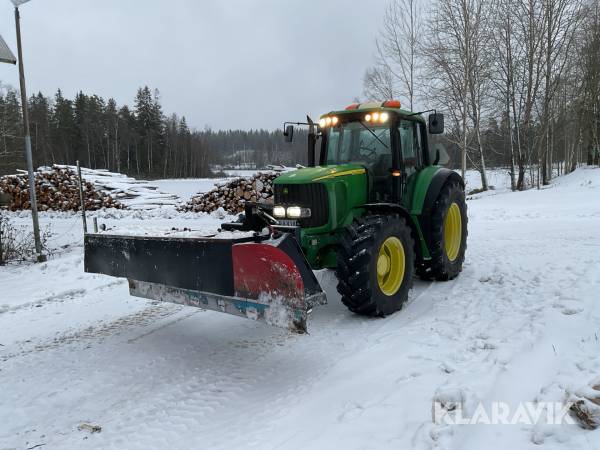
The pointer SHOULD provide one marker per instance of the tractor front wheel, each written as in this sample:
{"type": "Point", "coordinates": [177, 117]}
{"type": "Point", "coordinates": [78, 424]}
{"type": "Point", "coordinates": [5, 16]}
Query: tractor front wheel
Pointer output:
{"type": "Point", "coordinates": [375, 265]}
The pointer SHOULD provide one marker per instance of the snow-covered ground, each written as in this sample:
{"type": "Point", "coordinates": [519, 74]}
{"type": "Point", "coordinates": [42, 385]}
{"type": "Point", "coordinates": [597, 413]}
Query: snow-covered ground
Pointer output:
{"type": "Point", "coordinates": [185, 188]}
{"type": "Point", "coordinates": [521, 323]}
{"type": "Point", "coordinates": [498, 179]}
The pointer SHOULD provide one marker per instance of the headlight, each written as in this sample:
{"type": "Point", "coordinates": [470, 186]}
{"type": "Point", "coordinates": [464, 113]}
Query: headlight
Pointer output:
{"type": "Point", "coordinates": [296, 212]}
{"type": "Point", "coordinates": [279, 211]}
{"type": "Point", "coordinates": [328, 121]}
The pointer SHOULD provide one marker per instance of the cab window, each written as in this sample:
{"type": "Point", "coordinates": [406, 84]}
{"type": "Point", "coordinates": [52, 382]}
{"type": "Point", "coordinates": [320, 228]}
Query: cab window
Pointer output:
{"type": "Point", "coordinates": [354, 143]}
{"type": "Point", "coordinates": [410, 143]}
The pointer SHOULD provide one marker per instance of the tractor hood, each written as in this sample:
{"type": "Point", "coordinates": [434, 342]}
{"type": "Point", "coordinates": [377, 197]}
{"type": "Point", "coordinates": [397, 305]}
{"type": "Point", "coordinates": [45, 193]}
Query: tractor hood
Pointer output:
{"type": "Point", "coordinates": [334, 194]}
{"type": "Point", "coordinates": [319, 173]}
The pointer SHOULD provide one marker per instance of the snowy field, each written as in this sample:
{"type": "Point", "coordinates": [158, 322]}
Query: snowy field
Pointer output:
{"type": "Point", "coordinates": [185, 188]}
{"type": "Point", "coordinates": [520, 324]}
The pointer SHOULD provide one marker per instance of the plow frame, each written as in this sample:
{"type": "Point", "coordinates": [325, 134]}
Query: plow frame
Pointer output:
{"type": "Point", "coordinates": [261, 277]}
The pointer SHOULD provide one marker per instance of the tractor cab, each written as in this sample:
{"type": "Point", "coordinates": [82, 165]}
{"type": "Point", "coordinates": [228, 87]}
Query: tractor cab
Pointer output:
{"type": "Point", "coordinates": [389, 142]}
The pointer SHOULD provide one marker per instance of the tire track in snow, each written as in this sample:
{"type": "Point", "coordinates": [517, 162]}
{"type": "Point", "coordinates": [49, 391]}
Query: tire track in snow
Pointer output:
{"type": "Point", "coordinates": [60, 297]}
{"type": "Point", "coordinates": [84, 336]}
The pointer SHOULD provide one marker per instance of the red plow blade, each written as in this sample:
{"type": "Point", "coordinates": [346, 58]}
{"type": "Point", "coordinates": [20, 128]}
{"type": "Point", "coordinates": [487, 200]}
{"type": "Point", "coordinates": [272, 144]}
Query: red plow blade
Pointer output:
{"type": "Point", "coordinates": [263, 278]}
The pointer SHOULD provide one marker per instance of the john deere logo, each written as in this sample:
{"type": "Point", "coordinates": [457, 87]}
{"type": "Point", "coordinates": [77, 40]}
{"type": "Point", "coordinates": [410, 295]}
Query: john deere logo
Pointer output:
{"type": "Point", "coordinates": [285, 191]}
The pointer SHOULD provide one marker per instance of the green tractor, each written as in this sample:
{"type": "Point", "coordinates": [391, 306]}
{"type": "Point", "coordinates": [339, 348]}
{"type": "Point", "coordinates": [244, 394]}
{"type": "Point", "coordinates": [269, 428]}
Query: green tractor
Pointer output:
{"type": "Point", "coordinates": [376, 207]}
{"type": "Point", "coordinates": [373, 204]}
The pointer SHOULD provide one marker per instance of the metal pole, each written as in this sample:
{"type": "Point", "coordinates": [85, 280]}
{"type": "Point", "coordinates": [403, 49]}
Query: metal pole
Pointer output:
{"type": "Point", "coordinates": [28, 157]}
{"type": "Point", "coordinates": [81, 199]}
{"type": "Point", "coordinates": [1, 250]}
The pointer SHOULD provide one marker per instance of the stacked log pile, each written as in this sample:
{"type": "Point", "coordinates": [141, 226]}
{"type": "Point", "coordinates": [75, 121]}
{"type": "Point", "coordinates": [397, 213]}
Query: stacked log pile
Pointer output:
{"type": "Point", "coordinates": [232, 195]}
{"type": "Point", "coordinates": [57, 189]}
{"type": "Point", "coordinates": [129, 192]}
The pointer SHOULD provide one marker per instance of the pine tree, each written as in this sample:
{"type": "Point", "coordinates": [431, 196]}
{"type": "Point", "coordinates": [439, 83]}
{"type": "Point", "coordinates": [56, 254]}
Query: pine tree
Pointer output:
{"type": "Point", "coordinates": [98, 134]}
{"type": "Point", "coordinates": [39, 118]}
{"type": "Point", "coordinates": [112, 130]}
{"type": "Point", "coordinates": [11, 132]}
{"type": "Point", "coordinates": [82, 123]}
{"type": "Point", "coordinates": [129, 139]}
{"type": "Point", "coordinates": [144, 120]}
{"type": "Point", "coordinates": [63, 129]}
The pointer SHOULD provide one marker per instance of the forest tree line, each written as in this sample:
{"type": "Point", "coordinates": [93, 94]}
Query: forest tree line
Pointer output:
{"type": "Point", "coordinates": [140, 141]}
{"type": "Point", "coordinates": [518, 80]}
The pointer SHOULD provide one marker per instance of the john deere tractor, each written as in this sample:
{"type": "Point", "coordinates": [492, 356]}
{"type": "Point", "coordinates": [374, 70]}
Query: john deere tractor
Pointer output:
{"type": "Point", "coordinates": [373, 204]}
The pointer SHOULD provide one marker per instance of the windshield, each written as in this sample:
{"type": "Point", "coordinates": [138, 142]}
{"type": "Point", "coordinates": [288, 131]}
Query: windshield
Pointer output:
{"type": "Point", "coordinates": [354, 142]}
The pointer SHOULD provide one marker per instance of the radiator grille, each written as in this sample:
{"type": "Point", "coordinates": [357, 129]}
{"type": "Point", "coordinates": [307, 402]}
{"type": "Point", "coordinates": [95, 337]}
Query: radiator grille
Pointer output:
{"type": "Point", "coordinates": [313, 196]}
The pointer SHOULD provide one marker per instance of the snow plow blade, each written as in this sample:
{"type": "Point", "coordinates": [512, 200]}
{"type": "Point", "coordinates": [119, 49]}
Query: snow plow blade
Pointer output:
{"type": "Point", "coordinates": [261, 278]}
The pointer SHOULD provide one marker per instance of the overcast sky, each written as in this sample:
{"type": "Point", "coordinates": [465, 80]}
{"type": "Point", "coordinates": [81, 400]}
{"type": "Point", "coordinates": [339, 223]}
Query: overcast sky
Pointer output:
{"type": "Point", "coordinates": [223, 64]}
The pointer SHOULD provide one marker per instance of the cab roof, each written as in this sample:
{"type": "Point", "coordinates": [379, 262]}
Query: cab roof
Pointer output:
{"type": "Point", "coordinates": [393, 106]}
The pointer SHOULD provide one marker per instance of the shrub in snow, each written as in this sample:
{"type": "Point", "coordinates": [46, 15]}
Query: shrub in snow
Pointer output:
{"type": "Point", "coordinates": [585, 407]}
{"type": "Point", "coordinates": [17, 244]}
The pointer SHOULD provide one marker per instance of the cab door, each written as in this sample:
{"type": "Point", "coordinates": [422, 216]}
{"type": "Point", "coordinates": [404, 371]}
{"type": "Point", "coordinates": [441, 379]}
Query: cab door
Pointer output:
{"type": "Point", "coordinates": [411, 154]}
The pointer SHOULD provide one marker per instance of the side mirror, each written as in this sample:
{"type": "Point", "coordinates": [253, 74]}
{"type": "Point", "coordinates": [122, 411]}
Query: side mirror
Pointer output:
{"type": "Point", "coordinates": [436, 123]}
{"type": "Point", "coordinates": [289, 133]}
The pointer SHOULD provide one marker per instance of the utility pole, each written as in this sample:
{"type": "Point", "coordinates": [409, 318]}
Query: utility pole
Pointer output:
{"type": "Point", "coordinates": [32, 197]}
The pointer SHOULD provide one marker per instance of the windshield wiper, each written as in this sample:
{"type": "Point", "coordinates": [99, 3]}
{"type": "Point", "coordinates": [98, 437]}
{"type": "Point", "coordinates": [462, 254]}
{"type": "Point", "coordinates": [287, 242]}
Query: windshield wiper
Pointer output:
{"type": "Point", "coordinates": [374, 135]}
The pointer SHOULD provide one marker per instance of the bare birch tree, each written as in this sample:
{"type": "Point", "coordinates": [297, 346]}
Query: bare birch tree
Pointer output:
{"type": "Point", "coordinates": [378, 83]}
{"type": "Point", "coordinates": [588, 65]}
{"type": "Point", "coordinates": [561, 18]}
{"type": "Point", "coordinates": [398, 59]}
{"type": "Point", "coordinates": [456, 62]}
{"type": "Point", "coordinates": [507, 53]}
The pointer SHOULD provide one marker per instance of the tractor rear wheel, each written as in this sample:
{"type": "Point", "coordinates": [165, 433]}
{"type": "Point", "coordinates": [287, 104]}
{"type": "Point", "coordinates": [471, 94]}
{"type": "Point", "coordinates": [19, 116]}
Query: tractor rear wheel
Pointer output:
{"type": "Point", "coordinates": [449, 235]}
{"type": "Point", "coordinates": [375, 265]}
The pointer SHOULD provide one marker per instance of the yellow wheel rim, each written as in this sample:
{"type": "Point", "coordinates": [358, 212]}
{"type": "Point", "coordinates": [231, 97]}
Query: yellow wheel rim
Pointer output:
{"type": "Point", "coordinates": [452, 232]}
{"type": "Point", "coordinates": [391, 264]}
